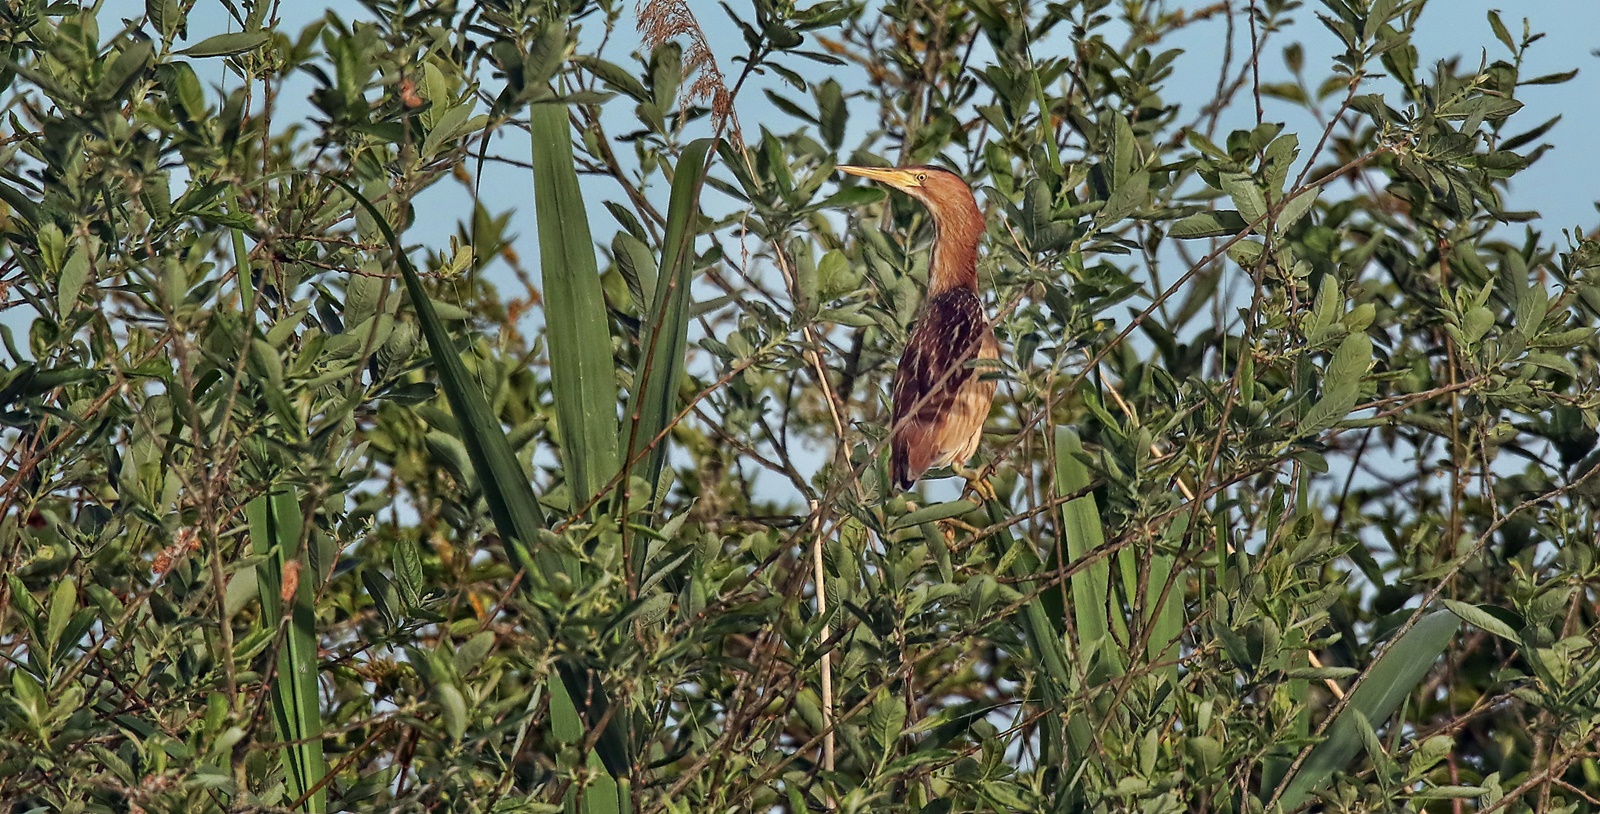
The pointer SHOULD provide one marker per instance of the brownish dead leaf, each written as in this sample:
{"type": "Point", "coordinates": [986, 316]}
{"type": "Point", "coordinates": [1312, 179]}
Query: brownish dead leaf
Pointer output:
{"type": "Point", "coordinates": [185, 542]}
{"type": "Point", "coordinates": [291, 580]}
{"type": "Point", "coordinates": [408, 93]}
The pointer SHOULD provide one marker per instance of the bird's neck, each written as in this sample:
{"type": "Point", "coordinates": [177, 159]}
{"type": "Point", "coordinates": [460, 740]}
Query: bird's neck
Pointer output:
{"type": "Point", "coordinates": [954, 263]}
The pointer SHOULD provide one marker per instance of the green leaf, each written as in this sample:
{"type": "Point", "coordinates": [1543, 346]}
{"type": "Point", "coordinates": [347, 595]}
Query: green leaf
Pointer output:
{"type": "Point", "coordinates": [1557, 78]}
{"type": "Point", "coordinates": [1477, 322]}
{"type": "Point", "coordinates": [1165, 615]}
{"type": "Point", "coordinates": [1551, 361]}
{"type": "Point", "coordinates": [1246, 252]}
{"type": "Point", "coordinates": [1403, 665]}
{"type": "Point", "coordinates": [505, 484]}
{"type": "Point", "coordinates": [506, 488]}
{"type": "Point", "coordinates": [1246, 195]}
{"type": "Point", "coordinates": [63, 601]}
{"type": "Point", "coordinates": [74, 275]}
{"type": "Point", "coordinates": [1477, 617]}
{"type": "Point", "coordinates": [1321, 673]}
{"type": "Point", "coordinates": [223, 45]}
{"type": "Point", "coordinates": [1327, 308]}
{"type": "Point", "coordinates": [26, 693]}
{"type": "Point", "coordinates": [473, 651]}
{"type": "Point", "coordinates": [1500, 32]}
{"type": "Point", "coordinates": [832, 112]}
{"type": "Point", "coordinates": [276, 524]}
{"type": "Point", "coordinates": [1341, 385]}
{"type": "Point", "coordinates": [613, 75]}
{"type": "Point", "coordinates": [665, 335]}
{"type": "Point", "coordinates": [1131, 193]}
{"type": "Point", "coordinates": [929, 514]}
{"type": "Point", "coordinates": [121, 74]}
{"type": "Point", "coordinates": [384, 597]}
{"type": "Point", "coordinates": [886, 718]}
{"type": "Point", "coordinates": [1296, 208]}
{"type": "Point", "coordinates": [408, 571]}
{"type": "Point", "coordinates": [449, 125]}
{"type": "Point", "coordinates": [1449, 793]}
{"type": "Point", "coordinates": [1220, 223]}
{"type": "Point", "coordinates": [582, 372]}
{"type": "Point", "coordinates": [165, 15]}
{"type": "Point", "coordinates": [851, 197]}
{"type": "Point", "coordinates": [565, 725]}
{"type": "Point", "coordinates": [454, 708]}
{"type": "Point", "coordinates": [183, 88]}
{"type": "Point", "coordinates": [638, 268]}
{"type": "Point", "coordinates": [1083, 534]}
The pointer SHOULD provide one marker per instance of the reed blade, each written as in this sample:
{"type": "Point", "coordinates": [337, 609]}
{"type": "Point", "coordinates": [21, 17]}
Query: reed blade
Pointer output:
{"type": "Point", "coordinates": [1397, 672]}
{"type": "Point", "coordinates": [276, 527]}
{"type": "Point", "coordinates": [582, 370]}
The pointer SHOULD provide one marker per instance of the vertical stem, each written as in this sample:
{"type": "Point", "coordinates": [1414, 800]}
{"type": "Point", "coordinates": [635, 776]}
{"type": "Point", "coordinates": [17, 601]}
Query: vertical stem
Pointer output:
{"type": "Point", "coordinates": [818, 576]}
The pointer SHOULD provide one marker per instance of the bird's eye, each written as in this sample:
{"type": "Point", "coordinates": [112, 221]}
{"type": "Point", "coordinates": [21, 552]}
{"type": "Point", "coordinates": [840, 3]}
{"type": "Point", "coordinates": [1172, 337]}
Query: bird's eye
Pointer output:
{"type": "Point", "coordinates": [922, 177]}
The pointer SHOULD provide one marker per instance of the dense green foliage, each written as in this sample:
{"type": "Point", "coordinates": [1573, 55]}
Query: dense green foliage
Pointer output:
{"type": "Point", "coordinates": [1294, 443]}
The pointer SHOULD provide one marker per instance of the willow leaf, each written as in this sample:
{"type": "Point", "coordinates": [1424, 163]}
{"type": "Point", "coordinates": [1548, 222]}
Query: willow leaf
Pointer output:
{"type": "Point", "coordinates": [1341, 385]}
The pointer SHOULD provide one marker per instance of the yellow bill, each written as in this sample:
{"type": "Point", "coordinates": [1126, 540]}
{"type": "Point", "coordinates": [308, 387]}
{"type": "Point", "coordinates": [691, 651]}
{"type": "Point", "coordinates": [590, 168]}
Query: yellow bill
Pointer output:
{"type": "Point", "coordinates": [897, 178]}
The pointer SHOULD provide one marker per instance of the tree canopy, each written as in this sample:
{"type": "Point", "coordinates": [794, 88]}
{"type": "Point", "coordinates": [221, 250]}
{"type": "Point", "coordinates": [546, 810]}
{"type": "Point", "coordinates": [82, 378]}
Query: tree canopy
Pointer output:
{"type": "Point", "coordinates": [316, 494]}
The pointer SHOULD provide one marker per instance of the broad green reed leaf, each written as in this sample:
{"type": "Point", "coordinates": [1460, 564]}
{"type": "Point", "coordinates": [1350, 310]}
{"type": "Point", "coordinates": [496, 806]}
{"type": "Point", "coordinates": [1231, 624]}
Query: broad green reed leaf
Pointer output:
{"type": "Point", "coordinates": [1398, 671]}
{"type": "Point", "coordinates": [1042, 626]}
{"type": "Point", "coordinates": [665, 335]}
{"type": "Point", "coordinates": [506, 488]}
{"type": "Point", "coordinates": [276, 528]}
{"type": "Point", "coordinates": [1090, 586]}
{"type": "Point", "coordinates": [1164, 614]}
{"type": "Point", "coordinates": [582, 371]}
{"type": "Point", "coordinates": [567, 728]}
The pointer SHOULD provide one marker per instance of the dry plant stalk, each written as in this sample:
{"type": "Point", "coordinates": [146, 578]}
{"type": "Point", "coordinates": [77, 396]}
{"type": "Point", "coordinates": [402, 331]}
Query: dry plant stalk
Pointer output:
{"type": "Point", "coordinates": [826, 663]}
{"type": "Point", "coordinates": [661, 21]}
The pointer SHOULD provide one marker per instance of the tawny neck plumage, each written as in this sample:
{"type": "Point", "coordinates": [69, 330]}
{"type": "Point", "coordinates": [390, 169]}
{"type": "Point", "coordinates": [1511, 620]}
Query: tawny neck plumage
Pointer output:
{"type": "Point", "coordinates": [957, 228]}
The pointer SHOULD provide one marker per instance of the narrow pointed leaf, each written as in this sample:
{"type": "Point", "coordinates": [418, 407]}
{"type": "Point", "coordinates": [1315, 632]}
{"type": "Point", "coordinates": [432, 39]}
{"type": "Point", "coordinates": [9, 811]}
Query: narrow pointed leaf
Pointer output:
{"type": "Point", "coordinates": [223, 45]}
{"type": "Point", "coordinates": [1042, 628]}
{"type": "Point", "coordinates": [506, 488]}
{"type": "Point", "coordinates": [665, 336]}
{"type": "Point", "coordinates": [505, 485]}
{"type": "Point", "coordinates": [1221, 223]}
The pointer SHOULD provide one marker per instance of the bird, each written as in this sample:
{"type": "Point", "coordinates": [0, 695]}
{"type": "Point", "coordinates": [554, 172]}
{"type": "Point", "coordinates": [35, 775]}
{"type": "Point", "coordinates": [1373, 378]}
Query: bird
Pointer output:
{"type": "Point", "coordinates": [939, 401]}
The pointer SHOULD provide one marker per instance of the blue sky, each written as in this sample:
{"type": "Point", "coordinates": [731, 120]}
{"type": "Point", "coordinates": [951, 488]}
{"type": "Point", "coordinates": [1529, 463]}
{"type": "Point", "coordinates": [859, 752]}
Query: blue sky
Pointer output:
{"type": "Point", "coordinates": [1561, 186]}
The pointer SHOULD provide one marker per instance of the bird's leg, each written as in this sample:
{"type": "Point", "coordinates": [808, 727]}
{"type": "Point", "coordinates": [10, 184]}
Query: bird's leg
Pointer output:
{"type": "Point", "coordinates": [976, 481]}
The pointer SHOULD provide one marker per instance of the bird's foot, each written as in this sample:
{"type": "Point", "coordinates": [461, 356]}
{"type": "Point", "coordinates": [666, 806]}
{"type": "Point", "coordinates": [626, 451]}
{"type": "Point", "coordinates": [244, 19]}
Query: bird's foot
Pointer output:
{"type": "Point", "coordinates": [977, 482]}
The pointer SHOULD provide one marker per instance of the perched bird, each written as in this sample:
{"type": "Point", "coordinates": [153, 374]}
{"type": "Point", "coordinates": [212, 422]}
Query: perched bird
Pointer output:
{"type": "Point", "coordinates": [940, 401]}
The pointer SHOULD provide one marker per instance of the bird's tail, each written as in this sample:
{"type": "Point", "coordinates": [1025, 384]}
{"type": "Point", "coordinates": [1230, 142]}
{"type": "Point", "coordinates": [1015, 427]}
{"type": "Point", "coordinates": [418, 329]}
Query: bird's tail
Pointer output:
{"type": "Point", "coordinates": [900, 465]}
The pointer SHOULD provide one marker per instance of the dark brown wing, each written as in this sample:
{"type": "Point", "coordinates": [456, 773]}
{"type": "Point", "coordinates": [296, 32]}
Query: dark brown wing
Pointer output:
{"type": "Point", "coordinates": [931, 378]}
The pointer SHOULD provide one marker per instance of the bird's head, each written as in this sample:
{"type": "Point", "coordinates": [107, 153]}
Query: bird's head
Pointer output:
{"type": "Point", "coordinates": [943, 192]}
